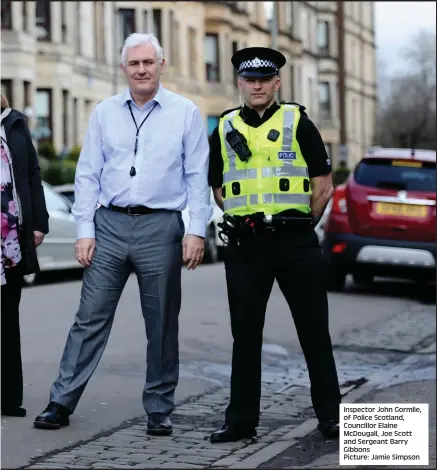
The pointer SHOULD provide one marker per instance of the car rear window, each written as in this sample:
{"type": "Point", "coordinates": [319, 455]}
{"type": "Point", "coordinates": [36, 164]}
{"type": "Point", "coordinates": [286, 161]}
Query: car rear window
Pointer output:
{"type": "Point", "coordinates": [397, 174]}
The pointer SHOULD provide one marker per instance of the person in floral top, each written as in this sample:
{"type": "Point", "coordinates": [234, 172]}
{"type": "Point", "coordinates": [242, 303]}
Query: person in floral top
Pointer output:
{"type": "Point", "coordinates": [11, 252]}
{"type": "Point", "coordinates": [24, 222]}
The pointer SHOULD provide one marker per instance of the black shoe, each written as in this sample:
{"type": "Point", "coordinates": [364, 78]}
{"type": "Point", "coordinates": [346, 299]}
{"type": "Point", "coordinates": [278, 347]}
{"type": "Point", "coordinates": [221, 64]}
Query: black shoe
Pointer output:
{"type": "Point", "coordinates": [227, 434]}
{"type": "Point", "coordinates": [329, 429]}
{"type": "Point", "coordinates": [53, 417]}
{"type": "Point", "coordinates": [159, 424]}
{"type": "Point", "coordinates": [17, 411]}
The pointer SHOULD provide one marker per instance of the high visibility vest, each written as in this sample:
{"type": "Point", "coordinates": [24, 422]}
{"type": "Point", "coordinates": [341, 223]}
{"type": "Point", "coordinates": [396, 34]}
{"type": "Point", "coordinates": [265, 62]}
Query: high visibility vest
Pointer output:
{"type": "Point", "coordinates": [275, 178]}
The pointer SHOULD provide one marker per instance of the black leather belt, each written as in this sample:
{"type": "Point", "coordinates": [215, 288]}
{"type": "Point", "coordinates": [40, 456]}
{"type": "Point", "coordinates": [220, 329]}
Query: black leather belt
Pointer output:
{"type": "Point", "coordinates": [133, 210]}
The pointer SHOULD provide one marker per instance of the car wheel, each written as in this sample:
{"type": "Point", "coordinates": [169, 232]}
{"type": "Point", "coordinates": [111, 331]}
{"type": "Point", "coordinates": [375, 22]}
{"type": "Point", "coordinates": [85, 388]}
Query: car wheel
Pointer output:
{"type": "Point", "coordinates": [336, 279]}
{"type": "Point", "coordinates": [362, 279]}
{"type": "Point", "coordinates": [30, 279]}
{"type": "Point", "coordinates": [211, 252]}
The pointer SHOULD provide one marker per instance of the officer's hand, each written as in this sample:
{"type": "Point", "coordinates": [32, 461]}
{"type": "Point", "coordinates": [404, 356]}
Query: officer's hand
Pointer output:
{"type": "Point", "coordinates": [193, 248]}
{"type": "Point", "coordinates": [84, 250]}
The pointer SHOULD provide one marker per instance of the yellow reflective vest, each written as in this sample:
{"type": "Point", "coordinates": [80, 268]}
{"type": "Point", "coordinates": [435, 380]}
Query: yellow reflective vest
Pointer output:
{"type": "Point", "coordinates": [275, 178]}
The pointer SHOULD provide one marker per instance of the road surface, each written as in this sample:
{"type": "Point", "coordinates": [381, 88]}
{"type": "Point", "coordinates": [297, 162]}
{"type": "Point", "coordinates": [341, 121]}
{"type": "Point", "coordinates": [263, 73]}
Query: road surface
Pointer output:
{"type": "Point", "coordinates": [114, 393]}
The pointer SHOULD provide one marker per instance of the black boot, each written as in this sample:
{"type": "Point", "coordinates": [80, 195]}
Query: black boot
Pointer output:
{"type": "Point", "coordinates": [17, 411]}
{"type": "Point", "coordinates": [53, 417]}
{"type": "Point", "coordinates": [229, 434]}
{"type": "Point", "coordinates": [330, 429]}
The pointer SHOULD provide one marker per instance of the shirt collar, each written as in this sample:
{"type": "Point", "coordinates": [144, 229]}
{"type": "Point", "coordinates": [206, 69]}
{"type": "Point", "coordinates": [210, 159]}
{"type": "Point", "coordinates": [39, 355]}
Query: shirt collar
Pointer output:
{"type": "Point", "coordinates": [251, 114]}
{"type": "Point", "coordinates": [159, 98]}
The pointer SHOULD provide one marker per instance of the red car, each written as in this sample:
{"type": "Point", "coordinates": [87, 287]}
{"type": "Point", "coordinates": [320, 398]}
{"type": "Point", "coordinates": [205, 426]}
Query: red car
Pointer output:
{"type": "Point", "coordinates": [383, 219]}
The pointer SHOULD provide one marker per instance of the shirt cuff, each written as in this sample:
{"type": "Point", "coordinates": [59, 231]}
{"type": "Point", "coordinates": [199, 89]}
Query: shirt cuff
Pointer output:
{"type": "Point", "coordinates": [197, 227]}
{"type": "Point", "coordinates": [85, 230]}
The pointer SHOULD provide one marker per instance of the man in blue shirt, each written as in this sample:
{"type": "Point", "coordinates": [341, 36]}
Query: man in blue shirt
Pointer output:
{"type": "Point", "coordinates": [144, 158]}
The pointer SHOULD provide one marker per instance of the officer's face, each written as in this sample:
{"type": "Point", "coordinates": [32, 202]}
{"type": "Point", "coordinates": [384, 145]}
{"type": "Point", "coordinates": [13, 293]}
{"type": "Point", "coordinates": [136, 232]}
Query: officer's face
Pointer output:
{"type": "Point", "coordinates": [259, 92]}
{"type": "Point", "coordinates": [142, 69]}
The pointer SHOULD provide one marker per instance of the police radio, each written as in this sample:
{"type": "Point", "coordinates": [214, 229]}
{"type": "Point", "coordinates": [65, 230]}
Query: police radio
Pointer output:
{"type": "Point", "coordinates": [238, 143]}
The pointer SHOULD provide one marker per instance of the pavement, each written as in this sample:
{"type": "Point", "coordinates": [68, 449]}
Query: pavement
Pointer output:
{"type": "Point", "coordinates": [285, 436]}
{"type": "Point", "coordinates": [380, 338]}
{"type": "Point", "coordinates": [312, 451]}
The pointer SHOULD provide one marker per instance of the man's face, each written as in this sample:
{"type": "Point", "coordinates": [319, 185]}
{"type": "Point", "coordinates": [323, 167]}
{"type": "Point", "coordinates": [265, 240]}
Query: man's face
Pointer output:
{"type": "Point", "coordinates": [259, 92]}
{"type": "Point", "coordinates": [142, 69]}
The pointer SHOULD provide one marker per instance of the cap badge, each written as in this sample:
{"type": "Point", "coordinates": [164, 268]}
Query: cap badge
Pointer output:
{"type": "Point", "coordinates": [256, 62]}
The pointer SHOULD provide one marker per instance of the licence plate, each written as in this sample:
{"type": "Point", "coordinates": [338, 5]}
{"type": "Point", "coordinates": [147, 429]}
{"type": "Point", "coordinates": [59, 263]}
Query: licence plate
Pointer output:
{"type": "Point", "coordinates": [401, 210]}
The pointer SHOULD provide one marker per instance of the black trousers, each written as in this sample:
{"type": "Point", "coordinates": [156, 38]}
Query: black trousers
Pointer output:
{"type": "Point", "coordinates": [294, 259]}
{"type": "Point", "coordinates": [11, 369]}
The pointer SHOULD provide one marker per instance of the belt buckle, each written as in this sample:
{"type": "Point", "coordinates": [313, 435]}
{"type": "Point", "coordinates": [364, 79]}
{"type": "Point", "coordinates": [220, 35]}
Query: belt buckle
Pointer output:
{"type": "Point", "coordinates": [129, 211]}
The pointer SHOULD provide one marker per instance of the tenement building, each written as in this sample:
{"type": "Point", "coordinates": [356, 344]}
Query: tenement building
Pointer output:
{"type": "Point", "coordinates": [59, 59]}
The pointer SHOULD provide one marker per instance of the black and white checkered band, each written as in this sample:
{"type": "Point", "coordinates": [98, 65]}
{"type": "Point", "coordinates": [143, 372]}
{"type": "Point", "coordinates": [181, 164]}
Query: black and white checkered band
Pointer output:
{"type": "Point", "coordinates": [256, 63]}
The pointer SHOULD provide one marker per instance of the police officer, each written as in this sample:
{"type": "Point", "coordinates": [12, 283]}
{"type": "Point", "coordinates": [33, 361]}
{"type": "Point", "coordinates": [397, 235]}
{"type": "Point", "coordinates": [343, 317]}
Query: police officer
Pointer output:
{"type": "Point", "coordinates": [272, 177]}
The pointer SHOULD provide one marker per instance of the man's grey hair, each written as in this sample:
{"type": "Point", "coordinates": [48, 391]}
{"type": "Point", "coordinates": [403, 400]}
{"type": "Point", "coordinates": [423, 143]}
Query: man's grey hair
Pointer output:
{"type": "Point", "coordinates": [137, 39]}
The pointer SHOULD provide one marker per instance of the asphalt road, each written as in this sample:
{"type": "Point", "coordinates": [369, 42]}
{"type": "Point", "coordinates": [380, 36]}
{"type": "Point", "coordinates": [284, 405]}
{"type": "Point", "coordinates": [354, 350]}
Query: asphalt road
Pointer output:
{"type": "Point", "coordinates": [114, 393]}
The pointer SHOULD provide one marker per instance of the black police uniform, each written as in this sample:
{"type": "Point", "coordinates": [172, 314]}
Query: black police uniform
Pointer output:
{"type": "Point", "coordinates": [293, 257]}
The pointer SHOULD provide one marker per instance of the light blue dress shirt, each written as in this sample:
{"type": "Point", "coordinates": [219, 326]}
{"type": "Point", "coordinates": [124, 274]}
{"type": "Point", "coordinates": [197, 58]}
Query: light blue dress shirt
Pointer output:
{"type": "Point", "coordinates": [171, 162]}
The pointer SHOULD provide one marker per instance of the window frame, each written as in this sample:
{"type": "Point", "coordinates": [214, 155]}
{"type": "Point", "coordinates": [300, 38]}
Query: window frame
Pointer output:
{"type": "Point", "coordinates": [6, 12]}
{"type": "Point", "coordinates": [326, 111]}
{"type": "Point", "coordinates": [49, 118]}
{"type": "Point", "coordinates": [208, 70]}
{"type": "Point", "coordinates": [122, 15]}
{"type": "Point", "coordinates": [47, 20]}
{"type": "Point", "coordinates": [323, 49]}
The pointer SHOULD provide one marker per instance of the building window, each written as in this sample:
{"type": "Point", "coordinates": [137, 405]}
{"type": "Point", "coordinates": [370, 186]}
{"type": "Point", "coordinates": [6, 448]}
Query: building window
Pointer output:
{"type": "Point", "coordinates": [171, 20]}
{"type": "Point", "coordinates": [323, 38]}
{"type": "Point", "coordinates": [6, 14]}
{"type": "Point", "coordinates": [235, 71]}
{"type": "Point", "coordinates": [43, 20]}
{"type": "Point", "coordinates": [43, 111]}
{"type": "Point", "coordinates": [78, 32]}
{"type": "Point", "coordinates": [27, 97]}
{"type": "Point", "coordinates": [325, 100]}
{"type": "Point", "coordinates": [212, 58]}
{"type": "Point", "coordinates": [75, 122]}
{"type": "Point", "coordinates": [174, 51]}
{"type": "Point", "coordinates": [157, 24]}
{"type": "Point", "coordinates": [310, 96]}
{"type": "Point", "coordinates": [65, 113]}
{"type": "Point", "coordinates": [25, 15]}
{"type": "Point", "coordinates": [292, 82]}
{"type": "Point", "coordinates": [192, 56]}
{"type": "Point", "coordinates": [212, 123]}
{"type": "Point", "coordinates": [127, 23]}
{"type": "Point", "coordinates": [146, 20]}
{"type": "Point", "coordinates": [64, 22]}
{"type": "Point", "coordinates": [88, 109]}
{"type": "Point", "coordinates": [7, 91]}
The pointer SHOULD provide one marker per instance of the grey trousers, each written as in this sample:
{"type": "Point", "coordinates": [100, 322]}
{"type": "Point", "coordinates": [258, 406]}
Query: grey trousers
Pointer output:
{"type": "Point", "coordinates": [151, 246]}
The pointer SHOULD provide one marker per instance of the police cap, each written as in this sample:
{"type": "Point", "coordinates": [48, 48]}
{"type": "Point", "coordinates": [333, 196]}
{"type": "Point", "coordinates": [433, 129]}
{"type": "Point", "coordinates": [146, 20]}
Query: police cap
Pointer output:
{"type": "Point", "coordinates": [258, 62]}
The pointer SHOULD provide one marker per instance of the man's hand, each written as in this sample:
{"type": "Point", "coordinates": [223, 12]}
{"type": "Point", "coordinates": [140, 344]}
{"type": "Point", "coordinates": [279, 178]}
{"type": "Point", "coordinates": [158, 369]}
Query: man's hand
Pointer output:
{"type": "Point", "coordinates": [84, 250]}
{"type": "Point", "coordinates": [193, 250]}
{"type": "Point", "coordinates": [38, 238]}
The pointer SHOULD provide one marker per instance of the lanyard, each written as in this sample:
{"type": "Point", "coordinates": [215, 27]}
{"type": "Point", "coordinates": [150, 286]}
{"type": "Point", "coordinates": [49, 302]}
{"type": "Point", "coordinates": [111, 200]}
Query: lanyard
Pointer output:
{"type": "Point", "coordinates": [132, 170]}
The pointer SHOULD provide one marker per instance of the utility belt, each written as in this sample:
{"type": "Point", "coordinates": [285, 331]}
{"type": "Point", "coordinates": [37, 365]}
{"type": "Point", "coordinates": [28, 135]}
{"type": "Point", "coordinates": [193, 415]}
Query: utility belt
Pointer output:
{"type": "Point", "coordinates": [236, 228]}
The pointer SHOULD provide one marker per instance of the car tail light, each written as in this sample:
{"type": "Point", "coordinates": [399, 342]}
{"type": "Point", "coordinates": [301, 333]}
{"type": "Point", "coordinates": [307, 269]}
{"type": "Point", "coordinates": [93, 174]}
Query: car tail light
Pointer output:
{"type": "Point", "coordinates": [339, 248]}
{"type": "Point", "coordinates": [339, 204]}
